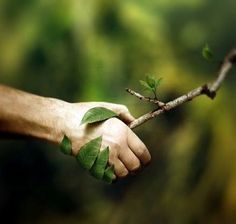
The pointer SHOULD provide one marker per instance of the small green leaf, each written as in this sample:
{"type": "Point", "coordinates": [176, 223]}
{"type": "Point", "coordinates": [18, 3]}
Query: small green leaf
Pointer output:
{"type": "Point", "coordinates": [151, 81]}
{"type": "Point", "coordinates": [151, 84]}
{"type": "Point", "coordinates": [109, 175]}
{"type": "Point", "coordinates": [66, 146]}
{"type": "Point", "coordinates": [89, 152]}
{"type": "Point", "coordinates": [97, 114]}
{"type": "Point", "coordinates": [207, 53]}
{"type": "Point", "coordinates": [99, 166]}
{"type": "Point", "coordinates": [158, 82]}
{"type": "Point", "coordinates": [146, 86]}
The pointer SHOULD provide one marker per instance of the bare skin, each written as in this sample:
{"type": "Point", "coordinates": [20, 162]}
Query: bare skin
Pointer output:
{"type": "Point", "coordinates": [50, 119]}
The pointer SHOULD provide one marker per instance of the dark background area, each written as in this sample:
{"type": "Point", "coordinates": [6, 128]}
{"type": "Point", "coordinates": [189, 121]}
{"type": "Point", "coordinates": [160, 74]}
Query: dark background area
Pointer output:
{"type": "Point", "coordinates": [85, 50]}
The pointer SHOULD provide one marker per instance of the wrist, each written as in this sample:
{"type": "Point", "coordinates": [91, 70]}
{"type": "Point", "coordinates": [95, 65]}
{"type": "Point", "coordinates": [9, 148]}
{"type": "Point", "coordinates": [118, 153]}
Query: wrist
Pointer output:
{"type": "Point", "coordinates": [54, 117]}
{"type": "Point", "coordinates": [64, 118]}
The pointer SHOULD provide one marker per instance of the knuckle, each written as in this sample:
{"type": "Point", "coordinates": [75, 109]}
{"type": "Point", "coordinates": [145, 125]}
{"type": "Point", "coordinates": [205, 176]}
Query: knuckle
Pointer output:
{"type": "Point", "coordinates": [115, 147]}
{"type": "Point", "coordinates": [139, 153]}
{"type": "Point", "coordinates": [121, 173]}
{"type": "Point", "coordinates": [123, 108]}
{"type": "Point", "coordinates": [112, 157]}
{"type": "Point", "coordinates": [134, 165]}
{"type": "Point", "coordinates": [146, 156]}
{"type": "Point", "coordinates": [144, 151]}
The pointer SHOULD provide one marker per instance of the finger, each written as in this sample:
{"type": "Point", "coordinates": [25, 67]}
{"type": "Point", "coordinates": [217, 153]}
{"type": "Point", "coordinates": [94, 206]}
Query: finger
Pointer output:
{"type": "Point", "coordinates": [123, 113]}
{"type": "Point", "coordinates": [138, 147]}
{"type": "Point", "coordinates": [129, 159]}
{"type": "Point", "coordinates": [120, 169]}
{"type": "Point", "coordinates": [126, 117]}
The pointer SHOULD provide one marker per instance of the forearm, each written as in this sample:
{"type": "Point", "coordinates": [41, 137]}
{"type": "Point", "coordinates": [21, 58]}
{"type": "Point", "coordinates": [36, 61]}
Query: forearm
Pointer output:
{"type": "Point", "coordinates": [30, 115]}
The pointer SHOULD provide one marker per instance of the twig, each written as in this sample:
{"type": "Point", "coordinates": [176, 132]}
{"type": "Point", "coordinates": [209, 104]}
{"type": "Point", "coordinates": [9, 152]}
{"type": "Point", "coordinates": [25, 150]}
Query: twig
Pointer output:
{"type": "Point", "coordinates": [209, 90]}
{"type": "Point", "coordinates": [144, 98]}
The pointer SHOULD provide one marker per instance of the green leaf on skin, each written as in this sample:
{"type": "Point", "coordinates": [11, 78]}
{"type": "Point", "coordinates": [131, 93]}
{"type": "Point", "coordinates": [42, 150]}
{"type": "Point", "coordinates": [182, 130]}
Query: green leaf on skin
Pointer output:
{"type": "Point", "coordinates": [89, 152]}
{"type": "Point", "coordinates": [100, 164]}
{"type": "Point", "coordinates": [109, 174]}
{"type": "Point", "coordinates": [66, 146]}
{"type": "Point", "coordinates": [97, 114]}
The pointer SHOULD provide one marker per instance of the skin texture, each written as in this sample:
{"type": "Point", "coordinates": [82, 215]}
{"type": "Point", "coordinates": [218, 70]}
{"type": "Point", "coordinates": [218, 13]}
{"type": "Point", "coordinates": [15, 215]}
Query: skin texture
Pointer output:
{"type": "Point", "coordinates": [50, 119]}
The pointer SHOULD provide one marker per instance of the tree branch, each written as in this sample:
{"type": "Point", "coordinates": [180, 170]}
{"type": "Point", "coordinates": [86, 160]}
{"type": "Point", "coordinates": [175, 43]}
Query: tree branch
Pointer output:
{"type": "Point", "coordinates": [209, 90]}
{"type": "Point", "coordinates": [144, 98]}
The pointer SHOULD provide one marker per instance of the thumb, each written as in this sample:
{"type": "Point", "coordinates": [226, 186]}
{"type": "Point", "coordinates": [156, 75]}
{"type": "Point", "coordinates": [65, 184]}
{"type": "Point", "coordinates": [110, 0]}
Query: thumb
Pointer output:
{"type": "Point", "coordinates": [124, 114]}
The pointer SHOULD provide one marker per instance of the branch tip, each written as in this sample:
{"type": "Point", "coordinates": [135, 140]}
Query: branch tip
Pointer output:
{"type": "Point", "coordinates": [209, 90]}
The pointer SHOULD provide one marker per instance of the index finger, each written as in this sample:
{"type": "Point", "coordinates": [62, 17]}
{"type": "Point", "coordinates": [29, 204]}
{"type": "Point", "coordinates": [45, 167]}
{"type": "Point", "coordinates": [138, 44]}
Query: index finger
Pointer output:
{"type": "Point", "coordinates": [124, 114]}
{"type": "Point", "coordinates": [138, 147]}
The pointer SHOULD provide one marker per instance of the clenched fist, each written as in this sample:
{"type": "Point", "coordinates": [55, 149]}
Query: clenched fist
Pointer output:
{"type": "Point", "coordinates": [127, 151]}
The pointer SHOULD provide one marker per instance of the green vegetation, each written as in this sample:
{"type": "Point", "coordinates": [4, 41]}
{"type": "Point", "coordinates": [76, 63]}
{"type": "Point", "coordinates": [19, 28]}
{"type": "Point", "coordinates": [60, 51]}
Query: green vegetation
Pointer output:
{"type": "Point", "coordinates": [89, 152]}
{"type": "Point", "coordinates": [150, 84]}
{"type": "Point", "coordinates": [100, 164]}
{"type": "Point", "coordinates": [207, 53]}
{"type": "Point", "coordinates": [66, 146]}
{"type": "Point", "coordinates": [97, 114]}
{"type": "Point", "coordinates": [91, 51]}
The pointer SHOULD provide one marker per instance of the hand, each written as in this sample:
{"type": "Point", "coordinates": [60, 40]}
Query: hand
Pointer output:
{"type": "Point", "coordinates": [50, 119]}
{"type": "Point", "coordinates": [127, 151]}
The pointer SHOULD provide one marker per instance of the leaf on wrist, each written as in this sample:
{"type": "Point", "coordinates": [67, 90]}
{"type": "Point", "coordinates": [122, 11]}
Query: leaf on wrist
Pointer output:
{"type": "Point", "coordinates": [66, 146]}
{"type": "Point", "coordinates": [97, 114]}
{"type": "Point", "coordinates": [89, 152]}
{"type": "Point", "coordinates": [100, 164]}
{"type": "Point", "coordinates": [109, 174]}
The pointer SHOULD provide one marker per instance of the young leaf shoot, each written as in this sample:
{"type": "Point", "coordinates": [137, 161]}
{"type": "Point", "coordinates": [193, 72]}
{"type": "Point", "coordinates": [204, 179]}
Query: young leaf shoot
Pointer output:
{"type": "Point", "coordinates": [207, 53]}
{"type": "Point", "coordinates": [150, 84]}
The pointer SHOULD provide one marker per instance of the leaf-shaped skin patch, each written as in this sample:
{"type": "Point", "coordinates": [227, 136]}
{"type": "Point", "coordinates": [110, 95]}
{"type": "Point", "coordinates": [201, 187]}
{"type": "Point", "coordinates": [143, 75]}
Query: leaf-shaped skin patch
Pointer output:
{"type": "Point", "coordinates": [109, 174]}
{"type": "Point", "coordinates": [66, 146]}
{"type": "Point", "coordinates": [99, 166]}
{"type": "Point", "coordinates": [97, 114]}
{"type": "Point", "coordinates": [89, 152]}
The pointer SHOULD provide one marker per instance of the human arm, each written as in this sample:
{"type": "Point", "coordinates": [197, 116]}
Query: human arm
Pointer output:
{"type": "Point", "coordinates": [50, 119]}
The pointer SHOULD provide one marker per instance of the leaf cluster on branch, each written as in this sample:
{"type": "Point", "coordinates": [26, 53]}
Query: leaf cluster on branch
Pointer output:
{"type": "Point", "coordinates": [208, 89]}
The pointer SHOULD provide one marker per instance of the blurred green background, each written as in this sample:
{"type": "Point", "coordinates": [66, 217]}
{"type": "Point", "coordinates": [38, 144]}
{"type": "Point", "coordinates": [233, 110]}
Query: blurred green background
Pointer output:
{"type": "Point", "coordinates": [84, 50]}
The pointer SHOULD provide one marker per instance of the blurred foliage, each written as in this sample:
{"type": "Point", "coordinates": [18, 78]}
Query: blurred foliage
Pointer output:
{"type": "Point", "coordinates": [86, 50]}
